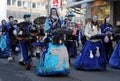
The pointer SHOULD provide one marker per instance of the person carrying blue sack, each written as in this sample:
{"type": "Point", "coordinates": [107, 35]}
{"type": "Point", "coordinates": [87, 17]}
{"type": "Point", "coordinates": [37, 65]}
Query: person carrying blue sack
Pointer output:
{"type": "Point", "coordinates": [54, 58]}
{"type": "Point", "coordinates": [5, 51]}
{"type": "Point", "coordinates": [92, 56]}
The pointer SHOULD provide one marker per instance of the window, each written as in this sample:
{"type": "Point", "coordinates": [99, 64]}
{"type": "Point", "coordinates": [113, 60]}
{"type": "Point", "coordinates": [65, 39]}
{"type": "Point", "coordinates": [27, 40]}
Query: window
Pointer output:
{"type": "Point", "coordinates": [38, 5]}
{"type": "Point", "coordinates": [19, 3]}
{"type": "Point", "coordinates": [25, 4]}
{"type": "Point", "coordinates": [8, 2]}
{"type": "Point", "coordinates": [29, 4]}
{"type": "Point", "coordinates": [33, 5]}
{"type": "Point", "coordinates": [14, 2]}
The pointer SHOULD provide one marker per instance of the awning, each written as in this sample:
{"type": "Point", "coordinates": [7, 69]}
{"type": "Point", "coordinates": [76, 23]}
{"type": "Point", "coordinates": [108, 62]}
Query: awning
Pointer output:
{"type": "Point", "coordinates": [73, 4]}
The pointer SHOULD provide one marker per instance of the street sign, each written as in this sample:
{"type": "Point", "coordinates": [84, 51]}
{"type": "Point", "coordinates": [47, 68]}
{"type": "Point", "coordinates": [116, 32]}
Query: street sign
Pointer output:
{"type": "Point", "coordinates": [56, 3]}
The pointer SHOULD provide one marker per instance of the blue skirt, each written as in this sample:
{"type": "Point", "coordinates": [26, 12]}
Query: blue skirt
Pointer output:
{"type": "Point", "coordinates": [114, 61]}
{"type": "Point", "coordinates": [92, 57]}
{"type": "Point", "coordinates": [53, 61]}
{"type": "Point", "coordinates": [71, 47]}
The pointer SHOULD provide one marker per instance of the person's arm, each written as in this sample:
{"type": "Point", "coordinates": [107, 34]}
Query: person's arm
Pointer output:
{"type": "Point", "coordinates": [47, 25]}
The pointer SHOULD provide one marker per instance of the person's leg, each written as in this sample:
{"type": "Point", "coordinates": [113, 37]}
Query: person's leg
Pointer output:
{"type": "Point", "coordinates": [26, 57]}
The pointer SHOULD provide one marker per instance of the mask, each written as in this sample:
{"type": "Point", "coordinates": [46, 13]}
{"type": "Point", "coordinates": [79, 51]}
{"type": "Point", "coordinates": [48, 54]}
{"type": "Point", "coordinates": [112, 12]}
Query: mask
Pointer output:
{"type": "Point", "coordinates": [27, 19]}
{"type": "Point", "coordinates": [11, 20]}
{"type": "Point", "coordinates": [54, 12]}
{"type": "Point", "coordinates": [95, 18]}
{"type": "Point", "coordinates": [108, 20]}
{"type": "Point", "coordinates": [4, 22]}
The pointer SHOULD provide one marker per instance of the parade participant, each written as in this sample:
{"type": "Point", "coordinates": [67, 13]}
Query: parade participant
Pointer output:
{"type": "Point", "coordinates": [5, 51]}
{"type": "Point", "coordinates": [24, 44]}
{"type": "Point", "coordinates": [114, 61]}
{"type": "Point", "coordinates": [71, 40]}
{"type": "Point", "coordinates": [106, 28]}
{"type": "Point", "coordinates": [54, 58]}
{"type": "Point", "coordinates": [92, 55]}
{"type": "Point", "coordinates": [5, 31]}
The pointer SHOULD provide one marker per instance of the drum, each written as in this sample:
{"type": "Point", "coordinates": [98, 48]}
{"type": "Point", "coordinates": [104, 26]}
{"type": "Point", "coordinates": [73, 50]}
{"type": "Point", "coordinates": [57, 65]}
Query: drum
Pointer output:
{"type": "Point", "coordinates": [33, 30]}
{"type": "Point", "coordinates": [20, 34]}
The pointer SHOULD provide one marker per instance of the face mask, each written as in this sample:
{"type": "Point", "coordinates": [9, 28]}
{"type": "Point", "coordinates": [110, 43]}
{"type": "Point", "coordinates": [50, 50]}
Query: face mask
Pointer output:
{"type": "Point", "coordinates": [4, 23]}
{"type": "Point", "coordinates": [11, 20]}
{"type": "Point", "coordinates": [108, 20]}
{"type": "Point", "coordinates": [53, 12]}
{"type": "Point", "coordinates": [95, 18]}
{"type": "Point", "coordinates": [27, 19]}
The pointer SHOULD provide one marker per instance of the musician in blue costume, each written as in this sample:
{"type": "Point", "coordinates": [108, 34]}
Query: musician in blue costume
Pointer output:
{"type": "Point", "coordinates": [106, 28]}
{"type": "Point", "coordinates": [92, 55]}
{"type": "Point", "coordinates": [5, 51]}
{"type": "Point", "coordinates": [24, 43]}
{"type": "Point", "coordinates": [114, 61]}
{"type": "Point", "coordinates": [54, 58]}
{"type": "Point", "coordinates": [70, 42]}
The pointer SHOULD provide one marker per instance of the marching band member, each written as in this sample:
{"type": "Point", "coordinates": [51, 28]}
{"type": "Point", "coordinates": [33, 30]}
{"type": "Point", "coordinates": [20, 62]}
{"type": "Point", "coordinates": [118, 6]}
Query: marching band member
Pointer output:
{"type": "Point", "coordinates": [54, 58]}
{"type": "Point", "coordinates": [106, 28]}
{"type": "Point", "coordinates": [24, 44]}
{"type": "Point", "coordinates": [92, 56]}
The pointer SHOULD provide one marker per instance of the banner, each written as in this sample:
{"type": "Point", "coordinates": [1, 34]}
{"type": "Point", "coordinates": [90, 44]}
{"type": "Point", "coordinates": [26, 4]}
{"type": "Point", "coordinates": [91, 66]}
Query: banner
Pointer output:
{"type": "Point", "coordinates": [56, 3]}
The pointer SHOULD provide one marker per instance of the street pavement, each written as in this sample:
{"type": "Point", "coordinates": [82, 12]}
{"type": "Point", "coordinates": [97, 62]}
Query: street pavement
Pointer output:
{"type": "Point", "coordinates": [14, 72]}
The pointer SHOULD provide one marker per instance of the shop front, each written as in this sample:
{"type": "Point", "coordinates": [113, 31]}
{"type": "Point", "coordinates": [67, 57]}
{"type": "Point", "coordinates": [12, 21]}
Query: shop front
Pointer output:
{"type": "Point", "coordinates": [100, 8]}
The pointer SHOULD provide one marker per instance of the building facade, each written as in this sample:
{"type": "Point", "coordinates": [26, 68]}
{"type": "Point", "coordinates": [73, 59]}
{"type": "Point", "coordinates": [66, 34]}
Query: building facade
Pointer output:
{"type": "Point", "coordinates": [98, 7]}
{"type": "Point", "coordinates": [36, 8]}
{"type": "Point", "coordinates": [18, 8]}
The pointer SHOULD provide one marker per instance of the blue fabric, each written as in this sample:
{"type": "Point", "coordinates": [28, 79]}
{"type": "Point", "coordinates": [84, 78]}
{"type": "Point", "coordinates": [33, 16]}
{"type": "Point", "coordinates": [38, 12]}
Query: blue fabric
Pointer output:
{"type": "Point", "coordinates": [37, 44]}
{"type": "Point", "coordinates": [80, 35]}
{"type": "Point", "coordinates": [84, 61]}
{"type": "Point", "coordinates": [49, 25]}
{"type": "Point", "coordinates": [106, 28]}
{"type": "Point", "coordinates": [5, 50]}
{"type": "Point", "coordinates": [5, 53]}
{"type": "Point", "coordinates": [47, 63]}
{"type": "Point", "coordinates": [71, 47]}
{"type": "Point", "coordinates": [24, 50]}
{"type": "Point", "coordinates": [115, 57]}
{"type": "Point", "coordinates": [3, 42]}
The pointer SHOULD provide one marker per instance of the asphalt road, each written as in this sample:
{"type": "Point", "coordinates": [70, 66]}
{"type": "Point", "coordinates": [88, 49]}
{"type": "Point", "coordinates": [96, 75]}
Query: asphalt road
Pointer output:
{"type": "Point", "coordinates": [15, 72]}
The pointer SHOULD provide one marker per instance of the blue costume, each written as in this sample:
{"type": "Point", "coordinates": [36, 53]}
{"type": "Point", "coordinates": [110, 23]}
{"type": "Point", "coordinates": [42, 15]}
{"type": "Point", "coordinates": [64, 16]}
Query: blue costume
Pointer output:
{"type": "Point", "coordinates": [92, 56]}
{"type": "Point", "coordinates": [52, 60]}
{"type": "Point", "coordinates": [25, 44]}
{"type": "Point", "coordinates": [114, 61]}
{"type": "Point", "coordinates": [107, 28]}
{"type": "Point", "coordinates": [5, 50]}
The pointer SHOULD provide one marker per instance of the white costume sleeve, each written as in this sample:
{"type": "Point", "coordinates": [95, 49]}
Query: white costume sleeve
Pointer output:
{"type": "Point", "coordinates": [87, 30]}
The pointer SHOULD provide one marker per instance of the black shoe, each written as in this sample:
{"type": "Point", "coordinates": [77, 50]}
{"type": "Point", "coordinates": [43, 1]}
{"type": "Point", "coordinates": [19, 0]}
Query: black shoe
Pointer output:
{"type": "Point", "coordinates": [21, 63]}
